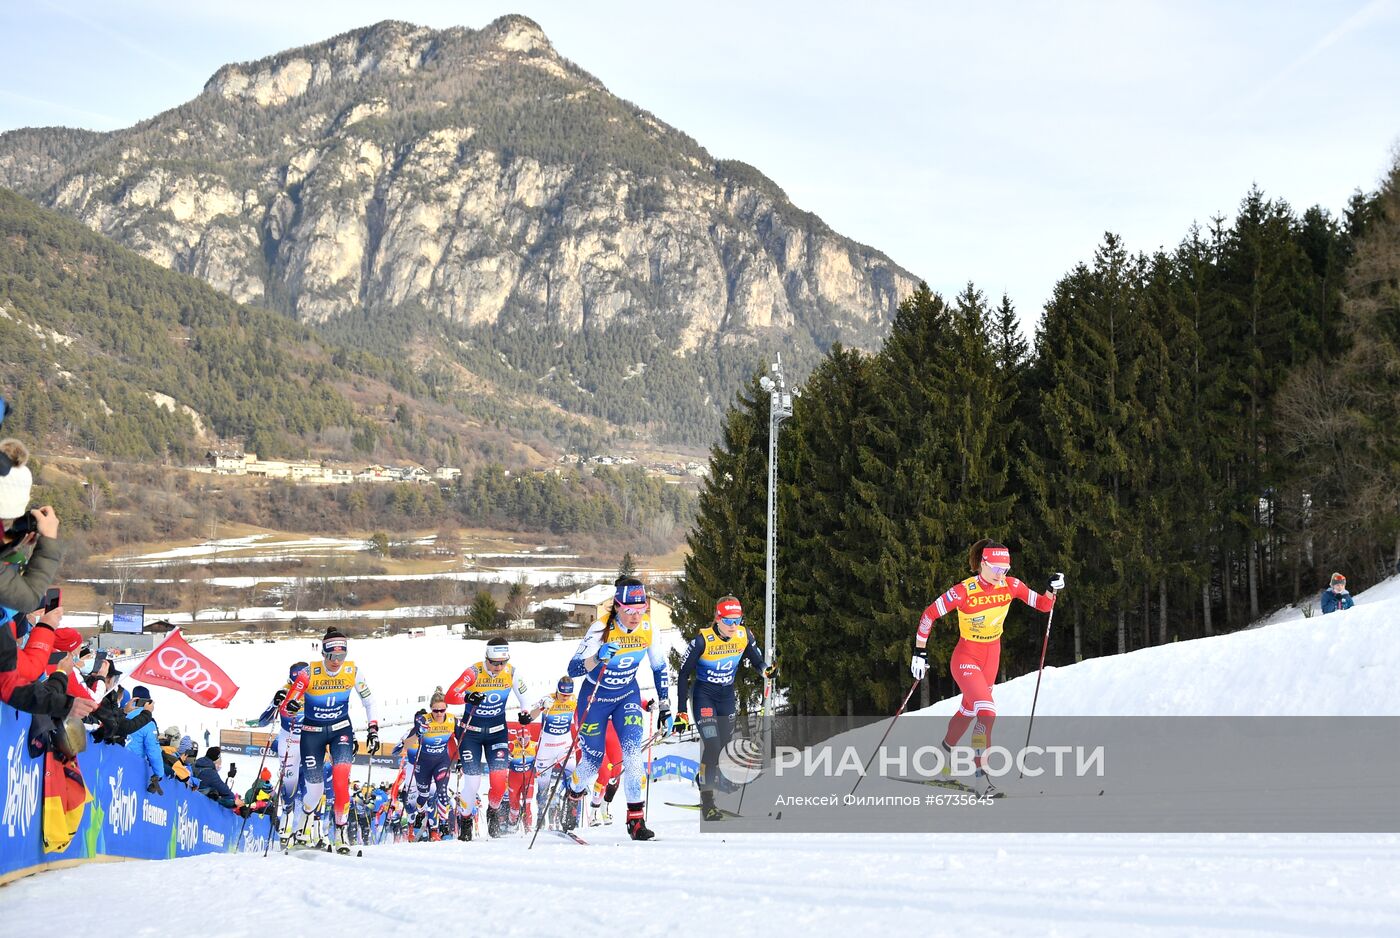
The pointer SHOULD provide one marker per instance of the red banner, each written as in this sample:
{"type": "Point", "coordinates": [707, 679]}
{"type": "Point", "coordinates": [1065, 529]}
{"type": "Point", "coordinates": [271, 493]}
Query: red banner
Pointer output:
{"type": "Point", "coordinates": [175, 664]}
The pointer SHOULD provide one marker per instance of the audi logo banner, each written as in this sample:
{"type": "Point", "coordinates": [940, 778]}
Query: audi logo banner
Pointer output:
{"type": "Point", "coordinates": [175, 664]}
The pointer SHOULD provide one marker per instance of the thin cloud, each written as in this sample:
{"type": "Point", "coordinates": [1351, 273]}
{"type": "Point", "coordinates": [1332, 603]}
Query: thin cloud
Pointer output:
{"type": "Point", "coordinates": [136, 47]}
{"type": "Point", "coordinates": [1376, 9]}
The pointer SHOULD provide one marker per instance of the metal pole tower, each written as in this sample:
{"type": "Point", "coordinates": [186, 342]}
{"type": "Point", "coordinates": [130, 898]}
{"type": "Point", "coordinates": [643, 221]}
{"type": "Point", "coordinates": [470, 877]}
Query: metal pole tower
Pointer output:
{"type": "Point", "coordinates": [779, 409]}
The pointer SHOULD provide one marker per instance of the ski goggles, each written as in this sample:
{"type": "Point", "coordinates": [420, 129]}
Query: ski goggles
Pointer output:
{"type": "Point", "coordinates": [336, 651]}
{"type": "Point", "coordinates": [997, 570]}
{"type": "Point", "coordinates": [733, 621]}
{"type": "Point", "coordinates": [634, 608]}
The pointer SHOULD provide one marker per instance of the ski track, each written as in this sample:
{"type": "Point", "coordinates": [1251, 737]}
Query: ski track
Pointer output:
{"type": "Point", "coordinates": [776, 885]}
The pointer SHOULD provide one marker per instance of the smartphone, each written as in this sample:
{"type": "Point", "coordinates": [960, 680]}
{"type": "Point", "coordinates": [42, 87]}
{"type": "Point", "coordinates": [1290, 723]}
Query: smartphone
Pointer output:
{"type": "Point", "coordinates": [97, 659]}
{"type": "Point", "coordinates": [52, 599]}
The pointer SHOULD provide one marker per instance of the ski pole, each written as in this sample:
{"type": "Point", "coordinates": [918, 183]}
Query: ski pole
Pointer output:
{"type": "Point", "coordinates": [739, 809]}
{"type": "Point", "coordinates": [1044, 645]}
{"type": "Point", "coordinates": [573, 751]}
{"type": "Point", "coordinates": [887, 733]}
{"type": "Point", "coordinates": [646, 808]}
{"type": "Point", "coordinates": [276, 799]}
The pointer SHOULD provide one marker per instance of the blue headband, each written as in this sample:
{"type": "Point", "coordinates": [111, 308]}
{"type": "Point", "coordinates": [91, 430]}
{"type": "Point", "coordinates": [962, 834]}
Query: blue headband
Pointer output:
{"type": "Point", "coordinates": [631, 594]}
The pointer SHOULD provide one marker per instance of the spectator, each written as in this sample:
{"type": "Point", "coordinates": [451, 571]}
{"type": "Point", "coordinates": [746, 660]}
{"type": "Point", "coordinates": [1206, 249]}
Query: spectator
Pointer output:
{"type": "Point", "coordinates": [206, 770]}
{"type": "Point", "coordinates": [33, 658]}
{"type": "Point", "coordinates": [259, 797]}
{"type": "Point", "coordinates": [111, 716]}
{"type": "Point", "coordinates": [141, 736]}
{"type": "Point", "coordinates": [1336, 596]}
{"type": "Point", "coordinates": [48, 696]}
{"type": "Point", "coordinates": [206, 739]}
{"type": "Point", "coordinates": [22, 585]}
{"type": "Point", "coordinates": [182, 766]}
{"type": "Point", "coordinates": [169, 737]}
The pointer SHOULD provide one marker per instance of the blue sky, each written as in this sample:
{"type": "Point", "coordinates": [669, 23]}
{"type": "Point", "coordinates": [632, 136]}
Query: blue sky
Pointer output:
{"type": "Point", "coordinates": [994, 145]}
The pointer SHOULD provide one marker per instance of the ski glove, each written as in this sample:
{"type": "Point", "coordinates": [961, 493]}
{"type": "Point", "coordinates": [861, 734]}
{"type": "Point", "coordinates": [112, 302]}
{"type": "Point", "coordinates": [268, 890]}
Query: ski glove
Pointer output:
{"type": "Point", "coordinates": [293, 706]}
{"type": "Point", "coordinates": [771, 672]}
{"type": "Point", "coordinates": [278, 697]}
{"type": "Point", "coordinates": [682, 723]}
{"type": "Point", "coordinates": [154, 786]}
{"type": "Point", "coordinates": [918, 666]}
{"type": "Point", "coordinates": [606, 651]}
{"type": "Point", "coordinates": [475, 697]}
{"type": "Point", "coordinates": [233, 770]}
{"type": "Point", "coordinates": [1057, 582]}
{"type": "Point", "coordinates": [372, 739]}
{"type": "Point", "coordinates": [525, 717]}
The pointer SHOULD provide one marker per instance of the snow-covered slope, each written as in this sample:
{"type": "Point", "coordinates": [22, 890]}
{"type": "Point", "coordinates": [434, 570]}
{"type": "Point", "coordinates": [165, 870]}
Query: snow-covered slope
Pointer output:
{"type": "Point", "coordinates": [1289, 665]}
{"type": "Point", "coordinates": [794, 884]}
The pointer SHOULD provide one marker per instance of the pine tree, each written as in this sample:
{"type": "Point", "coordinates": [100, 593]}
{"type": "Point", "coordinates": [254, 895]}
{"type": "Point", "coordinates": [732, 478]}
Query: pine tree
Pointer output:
{"type": "Point", "coordinates": [821, 592]}
{"type": "Point", "coordinates": [727, 544]}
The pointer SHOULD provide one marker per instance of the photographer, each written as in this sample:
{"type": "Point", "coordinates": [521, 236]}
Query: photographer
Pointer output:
{"type": "Point", "coordinates": [141, 736]}
{"type": "Point", "coordinates": [23, 584]}
{"type": "Point", "coordinates": [33, 684]}
{"type": "Point", "coordinates": [48, 696]}
{"type": "Point", "coordinates": [113, 724]}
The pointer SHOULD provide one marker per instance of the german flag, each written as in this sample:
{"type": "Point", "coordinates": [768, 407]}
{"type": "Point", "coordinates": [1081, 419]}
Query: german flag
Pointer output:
{"type": "Point", "coordinates": [65, 798]}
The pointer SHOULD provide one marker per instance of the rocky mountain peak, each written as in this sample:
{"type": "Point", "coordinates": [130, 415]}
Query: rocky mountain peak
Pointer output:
{"type": "Point", "coordinates": [387, 48]}
{"type": "Point", "coordinates": [475, 175]}
{"type": "Point", "coordinates": [516, 33]}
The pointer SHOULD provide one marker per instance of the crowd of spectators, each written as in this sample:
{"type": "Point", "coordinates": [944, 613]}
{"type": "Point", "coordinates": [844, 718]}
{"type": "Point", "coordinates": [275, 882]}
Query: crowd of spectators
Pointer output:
{"type": "Point", "coordinates": [72, 691]}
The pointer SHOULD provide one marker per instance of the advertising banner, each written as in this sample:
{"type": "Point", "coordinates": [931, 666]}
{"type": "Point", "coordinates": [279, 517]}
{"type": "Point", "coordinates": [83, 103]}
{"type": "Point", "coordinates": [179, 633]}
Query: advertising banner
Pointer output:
{"type": "Point", "coordinates": [121, 819]}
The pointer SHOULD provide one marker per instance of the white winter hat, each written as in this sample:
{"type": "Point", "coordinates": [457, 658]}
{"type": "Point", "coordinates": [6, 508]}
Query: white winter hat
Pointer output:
{"type": "Point", "coordinates": [16, 480]}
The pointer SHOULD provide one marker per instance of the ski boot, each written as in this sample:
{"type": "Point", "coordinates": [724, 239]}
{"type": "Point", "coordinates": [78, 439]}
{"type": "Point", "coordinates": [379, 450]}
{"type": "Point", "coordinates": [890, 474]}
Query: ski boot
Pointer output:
{"type": "Point", "coordinates": [493, 821]}
{"type": "Point", "coordinates": [434, 835]}
{"type": "Point", "coordinates": [708, 810]}
{"type": "Point", "coordinates": [573, 807]}
{"type": "Point", "coordinates": [597, 814]}
{"type": "Point", "coordinates": [636, 822]}
{"type": "Point", "coordinates": [342, 840]}
{"type": "Point", "coordinates": [982, 785]}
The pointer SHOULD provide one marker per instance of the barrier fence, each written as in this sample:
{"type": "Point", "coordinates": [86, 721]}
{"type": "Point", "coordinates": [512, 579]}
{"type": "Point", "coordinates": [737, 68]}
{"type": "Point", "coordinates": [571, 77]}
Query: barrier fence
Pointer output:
{"type": "Point", "coordinates": [121, 820]}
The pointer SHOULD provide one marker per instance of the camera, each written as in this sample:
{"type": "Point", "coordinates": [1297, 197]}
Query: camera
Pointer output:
{"type": "Point", "coordinates": [24, 524]}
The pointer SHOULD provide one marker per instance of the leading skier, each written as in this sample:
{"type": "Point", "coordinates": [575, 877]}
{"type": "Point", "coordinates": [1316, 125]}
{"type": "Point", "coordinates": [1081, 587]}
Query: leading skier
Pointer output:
{"type": "Point", "coordinates": [982, 602]}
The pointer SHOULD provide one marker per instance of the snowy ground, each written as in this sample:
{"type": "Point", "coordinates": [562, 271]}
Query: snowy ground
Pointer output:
{"type": "Point", "coordinates": [791, 884]}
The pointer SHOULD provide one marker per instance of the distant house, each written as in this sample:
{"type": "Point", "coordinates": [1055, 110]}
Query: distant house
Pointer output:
{"type": "Point", "coordinates": [590, 605]}
{"type": "Point", "coordinates": [446, 473]}
{"type": "Point", "coordinates": [231, 461]}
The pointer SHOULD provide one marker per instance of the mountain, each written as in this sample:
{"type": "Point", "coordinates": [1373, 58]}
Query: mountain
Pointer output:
{"type": "Point", "coordinates": [474, 177]}
{"type": "Point", "coordinates": [109, 354]}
